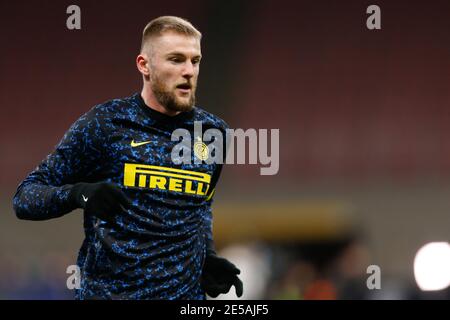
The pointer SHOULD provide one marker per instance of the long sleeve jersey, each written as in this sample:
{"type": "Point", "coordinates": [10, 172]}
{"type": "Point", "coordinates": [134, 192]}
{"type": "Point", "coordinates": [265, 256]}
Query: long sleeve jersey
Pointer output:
{"type": "Point", "coordinates": [157, 249]}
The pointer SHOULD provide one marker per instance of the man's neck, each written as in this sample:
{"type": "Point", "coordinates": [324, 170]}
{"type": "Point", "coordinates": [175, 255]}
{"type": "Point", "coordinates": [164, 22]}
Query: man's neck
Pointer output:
{"type": "Point", "coordinates": [151, 102]}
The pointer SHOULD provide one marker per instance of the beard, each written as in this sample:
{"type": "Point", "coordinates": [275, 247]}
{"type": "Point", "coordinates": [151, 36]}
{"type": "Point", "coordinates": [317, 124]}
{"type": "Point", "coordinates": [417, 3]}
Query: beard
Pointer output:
{"type": "Point", "coordinates": [168, 98]}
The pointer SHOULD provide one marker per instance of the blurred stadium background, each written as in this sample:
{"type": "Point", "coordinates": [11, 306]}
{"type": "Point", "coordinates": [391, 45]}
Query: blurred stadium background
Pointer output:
{"type": "Point", "coordinates": [364, 128]}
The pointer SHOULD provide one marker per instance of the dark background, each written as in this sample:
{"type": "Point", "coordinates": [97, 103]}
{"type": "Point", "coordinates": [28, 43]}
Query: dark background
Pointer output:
{"type": "Point", "coordinates": [363, 118]}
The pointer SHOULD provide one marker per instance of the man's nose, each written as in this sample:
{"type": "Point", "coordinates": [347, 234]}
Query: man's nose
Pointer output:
{"type": "Point", "coordinates": [188, 70]}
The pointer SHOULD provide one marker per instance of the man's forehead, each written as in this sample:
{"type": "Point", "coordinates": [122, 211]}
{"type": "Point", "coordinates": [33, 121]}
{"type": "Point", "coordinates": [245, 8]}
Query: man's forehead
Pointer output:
{"type": "Point", "coordinates": [170, 41]}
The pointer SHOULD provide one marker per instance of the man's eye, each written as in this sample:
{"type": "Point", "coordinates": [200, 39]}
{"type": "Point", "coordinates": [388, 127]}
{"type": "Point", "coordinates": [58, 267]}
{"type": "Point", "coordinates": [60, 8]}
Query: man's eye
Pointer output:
{"type": "Point", "coordinates": [196, 62]}
{"type": "Point", "coordinates": [176, 60]}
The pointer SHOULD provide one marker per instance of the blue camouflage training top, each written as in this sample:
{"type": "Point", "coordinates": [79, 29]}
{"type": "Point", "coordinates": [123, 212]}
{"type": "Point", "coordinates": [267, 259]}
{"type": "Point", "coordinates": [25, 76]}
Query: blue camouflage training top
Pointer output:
{"type": "Point", "coordinates": [156, 250]}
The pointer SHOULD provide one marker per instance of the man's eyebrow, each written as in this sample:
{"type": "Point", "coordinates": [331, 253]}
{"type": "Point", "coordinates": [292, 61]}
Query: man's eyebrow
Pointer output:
{"type": "Point", "coordinates": [176, 53]}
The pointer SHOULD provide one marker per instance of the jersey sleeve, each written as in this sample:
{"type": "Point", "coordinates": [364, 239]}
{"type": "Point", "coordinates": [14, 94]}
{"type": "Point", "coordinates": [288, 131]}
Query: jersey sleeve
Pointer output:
{"type": "Point", "coordinates": [208, 220]}
{"type": "Point", "coordinates": [43, 194]}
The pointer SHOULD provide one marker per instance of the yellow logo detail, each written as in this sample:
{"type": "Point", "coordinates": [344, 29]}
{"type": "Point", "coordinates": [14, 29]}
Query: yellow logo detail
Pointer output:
{"type": "Point", "coordinates": [137, 144]}
{"type": "Point", "coordinates": [163, 178]}
{"type": "Point", "coordinates": [201, 150]}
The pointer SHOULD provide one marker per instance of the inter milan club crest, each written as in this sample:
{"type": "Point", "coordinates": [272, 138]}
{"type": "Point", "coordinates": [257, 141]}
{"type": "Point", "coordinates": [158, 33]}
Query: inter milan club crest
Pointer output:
{"type": "Point", "coordinates": [201, 150]}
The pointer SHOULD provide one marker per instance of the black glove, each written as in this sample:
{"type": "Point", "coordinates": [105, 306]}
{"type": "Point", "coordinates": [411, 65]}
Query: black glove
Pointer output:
{"type": "Point", "coordinates": [100, 199]}
{"type": "Point", "coordinates": [219, 275]}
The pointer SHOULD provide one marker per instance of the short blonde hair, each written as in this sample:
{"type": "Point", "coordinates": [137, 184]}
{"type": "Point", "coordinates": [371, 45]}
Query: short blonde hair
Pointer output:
{"type": "Point", "coordinates": [157, 26]}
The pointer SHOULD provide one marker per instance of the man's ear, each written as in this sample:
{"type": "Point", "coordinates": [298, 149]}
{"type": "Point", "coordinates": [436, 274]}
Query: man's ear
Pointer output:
{"type": "Point", "coordinates": [142, 64]}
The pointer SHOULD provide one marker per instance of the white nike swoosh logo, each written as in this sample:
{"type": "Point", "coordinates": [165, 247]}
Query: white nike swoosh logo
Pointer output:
{"type": "Point", "coordinates": [137, 144]}
{"type": "Point", "coordinates": [85, 198]}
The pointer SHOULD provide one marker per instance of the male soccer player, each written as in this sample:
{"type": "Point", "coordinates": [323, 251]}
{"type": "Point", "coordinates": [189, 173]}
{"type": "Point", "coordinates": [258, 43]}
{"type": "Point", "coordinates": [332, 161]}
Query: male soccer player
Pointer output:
{"type": "Point", "coordinates": [147, 221]}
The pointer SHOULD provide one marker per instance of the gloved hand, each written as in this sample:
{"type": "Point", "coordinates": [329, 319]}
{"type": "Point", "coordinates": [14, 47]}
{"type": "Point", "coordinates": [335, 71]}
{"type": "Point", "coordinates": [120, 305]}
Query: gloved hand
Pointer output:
{"type": "Point", "coordinates": [100, 199]}
{"type": "Point", "coordinates": [219, 275]}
